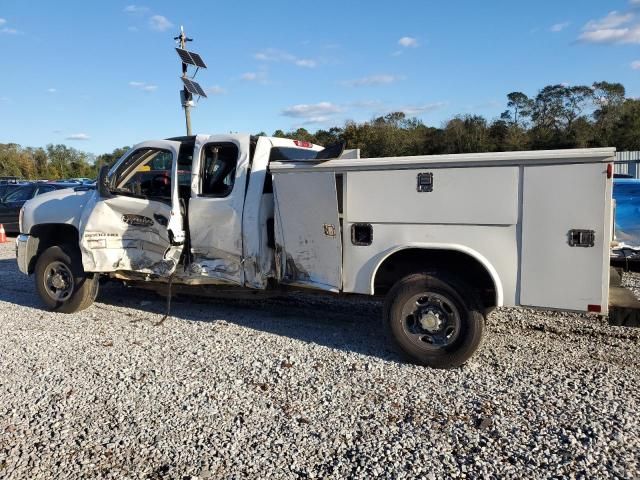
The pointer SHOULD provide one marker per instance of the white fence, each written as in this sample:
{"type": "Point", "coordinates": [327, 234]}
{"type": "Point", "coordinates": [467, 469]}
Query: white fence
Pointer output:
{"type": "Point", "coordinates": [628, 163]}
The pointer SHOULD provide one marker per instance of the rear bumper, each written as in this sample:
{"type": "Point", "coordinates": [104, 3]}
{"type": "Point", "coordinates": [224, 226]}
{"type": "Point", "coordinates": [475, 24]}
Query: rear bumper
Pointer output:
{"type": "Point", "coordinates": [624, 307]}
{"type": "Point", "coordinates": [26, 247]}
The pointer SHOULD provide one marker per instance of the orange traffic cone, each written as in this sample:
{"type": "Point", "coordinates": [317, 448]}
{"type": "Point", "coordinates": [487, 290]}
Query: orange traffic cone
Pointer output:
{"type": "Point", "coordinates": [3, 234]}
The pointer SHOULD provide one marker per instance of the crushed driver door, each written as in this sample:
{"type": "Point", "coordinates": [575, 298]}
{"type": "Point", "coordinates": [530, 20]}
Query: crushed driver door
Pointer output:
{"type": "Point", "coordinates": [135, 223]}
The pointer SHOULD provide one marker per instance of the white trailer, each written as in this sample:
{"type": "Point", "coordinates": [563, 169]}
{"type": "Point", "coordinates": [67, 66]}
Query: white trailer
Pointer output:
{"type": "Point", "coordinates": [444, 239]}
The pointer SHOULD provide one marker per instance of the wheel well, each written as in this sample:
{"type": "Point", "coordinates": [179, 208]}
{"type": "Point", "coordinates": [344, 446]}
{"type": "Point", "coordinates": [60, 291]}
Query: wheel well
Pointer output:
{"type": "Point", "coordinates": [449, 262]}
{"type": "Point", "coordinates": [50, 234]}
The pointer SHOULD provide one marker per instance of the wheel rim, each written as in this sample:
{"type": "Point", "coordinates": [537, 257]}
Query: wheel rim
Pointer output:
{"type": "Point", "coordinates": [431, 320]}
{"type": "Point", "coordinates": [58, 281]}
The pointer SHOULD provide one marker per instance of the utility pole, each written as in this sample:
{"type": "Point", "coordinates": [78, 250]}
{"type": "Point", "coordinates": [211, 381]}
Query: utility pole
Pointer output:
{"type": "Point", "coordinates": [191, 87]}
{"type": "Point", "coordinates": [186, 96]}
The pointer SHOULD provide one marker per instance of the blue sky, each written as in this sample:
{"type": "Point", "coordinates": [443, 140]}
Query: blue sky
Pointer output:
{"type": "Point", "coordinates": [98, 75]}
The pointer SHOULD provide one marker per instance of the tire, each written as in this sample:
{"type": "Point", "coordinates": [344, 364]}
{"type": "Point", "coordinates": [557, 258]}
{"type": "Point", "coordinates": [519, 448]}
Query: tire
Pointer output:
{"type": "Point", "coordinates": [433, 322]}
{"type": "Point", "coordinates": [62, 283]}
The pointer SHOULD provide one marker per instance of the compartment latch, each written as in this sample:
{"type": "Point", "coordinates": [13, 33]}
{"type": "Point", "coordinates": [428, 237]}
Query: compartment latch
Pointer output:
{"type": "Point", "coordinates": [425, 182]}
{"type": "Point", "coordinates": [582, 238]}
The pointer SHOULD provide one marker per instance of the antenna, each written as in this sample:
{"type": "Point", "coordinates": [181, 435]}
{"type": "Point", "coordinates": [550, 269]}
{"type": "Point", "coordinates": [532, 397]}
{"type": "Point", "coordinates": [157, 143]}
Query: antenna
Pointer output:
{"type": "Point", "coordinates": [190, 86]}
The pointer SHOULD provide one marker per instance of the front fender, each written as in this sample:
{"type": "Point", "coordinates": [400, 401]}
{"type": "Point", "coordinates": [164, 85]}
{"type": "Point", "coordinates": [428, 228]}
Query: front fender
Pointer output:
{"type": "Point", "coordinates": [58, 207]}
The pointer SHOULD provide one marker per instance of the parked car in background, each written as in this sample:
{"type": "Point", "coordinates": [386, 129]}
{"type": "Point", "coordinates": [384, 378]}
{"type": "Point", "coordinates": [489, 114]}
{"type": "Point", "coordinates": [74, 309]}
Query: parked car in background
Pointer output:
{"type": "Point", "coordinates": [12, 202]}
{"type": "Point", "coordinates": [6, 180]}
{"type": "Point", "coordinates": [7, 188]}
{"type": "Point", "coordinates": [626, 193]}
{"type": "Point", "coordinates": [80, 180]}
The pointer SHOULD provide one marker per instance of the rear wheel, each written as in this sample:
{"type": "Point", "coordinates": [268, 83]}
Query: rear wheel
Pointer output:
{"type": "Point", "coordinates": [432, 321]}
{"type": "Point", "coordinates": [62, 283]}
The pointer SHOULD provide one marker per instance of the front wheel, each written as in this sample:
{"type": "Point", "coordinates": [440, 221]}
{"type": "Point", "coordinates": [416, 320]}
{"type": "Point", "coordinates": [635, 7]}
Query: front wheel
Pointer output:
{"type": "Point", "coordinates": [433, 322]}
{"type": "Point", "coordinates": [62, 283]}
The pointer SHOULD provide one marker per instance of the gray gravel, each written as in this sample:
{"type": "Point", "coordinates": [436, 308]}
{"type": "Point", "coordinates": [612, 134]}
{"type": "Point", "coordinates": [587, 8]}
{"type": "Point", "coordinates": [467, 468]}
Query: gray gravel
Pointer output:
{"type": "Point", "coordinates": [303, 387]}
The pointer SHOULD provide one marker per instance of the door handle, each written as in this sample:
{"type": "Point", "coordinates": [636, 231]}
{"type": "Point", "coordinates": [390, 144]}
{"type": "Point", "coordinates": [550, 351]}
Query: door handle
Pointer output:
{"type": "Point", "coordinates": [161, 219]}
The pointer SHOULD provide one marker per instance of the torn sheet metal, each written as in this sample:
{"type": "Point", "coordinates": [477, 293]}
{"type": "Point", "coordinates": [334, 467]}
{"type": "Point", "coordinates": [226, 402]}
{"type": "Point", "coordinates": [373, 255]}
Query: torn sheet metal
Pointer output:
{"type": "Point", "coordinates": [216, 264]}
{"type": "Point", "coordinates": [113, 237]}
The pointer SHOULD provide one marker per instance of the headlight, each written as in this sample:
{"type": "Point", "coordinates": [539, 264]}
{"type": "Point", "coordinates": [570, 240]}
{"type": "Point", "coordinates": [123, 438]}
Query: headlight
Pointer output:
{"type": "Point", "coordinates": [20, 215]}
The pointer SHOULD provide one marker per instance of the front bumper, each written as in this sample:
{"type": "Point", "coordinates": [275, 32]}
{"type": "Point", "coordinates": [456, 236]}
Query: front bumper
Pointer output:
{"type": "Point", "coordinates": [24, 252]}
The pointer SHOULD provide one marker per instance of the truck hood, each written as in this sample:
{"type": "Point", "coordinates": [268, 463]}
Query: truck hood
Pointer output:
{"type": "Point", "coordinates": [59, 206]}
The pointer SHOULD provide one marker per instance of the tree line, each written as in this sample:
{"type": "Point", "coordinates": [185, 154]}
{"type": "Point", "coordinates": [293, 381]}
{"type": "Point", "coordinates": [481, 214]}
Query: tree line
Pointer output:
{"type": "Point", "coordinates": [558, 116]}
{"type": "Point", "coordinates": [53, 162]}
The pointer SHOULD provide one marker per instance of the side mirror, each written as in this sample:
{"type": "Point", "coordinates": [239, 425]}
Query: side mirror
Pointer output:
{"type": "Point", "coordinates": [102, 183]}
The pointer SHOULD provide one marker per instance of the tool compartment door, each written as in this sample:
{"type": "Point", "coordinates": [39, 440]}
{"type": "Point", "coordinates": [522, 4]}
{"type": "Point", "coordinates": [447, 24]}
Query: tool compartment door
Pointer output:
{"type": "Point", "coordinates": [560, 202]}
{"type": "Point", "coordinates": [307, 230]}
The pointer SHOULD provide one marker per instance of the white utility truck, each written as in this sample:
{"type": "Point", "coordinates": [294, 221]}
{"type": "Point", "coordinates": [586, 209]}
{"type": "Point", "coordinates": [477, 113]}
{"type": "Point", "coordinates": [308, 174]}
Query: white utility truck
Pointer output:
{"type": "Point", "coordinates": [445, 239]}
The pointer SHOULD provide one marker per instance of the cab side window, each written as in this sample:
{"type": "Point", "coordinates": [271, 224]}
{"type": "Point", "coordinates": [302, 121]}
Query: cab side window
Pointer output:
{"type": "Point", "coordinates": [218, 169]}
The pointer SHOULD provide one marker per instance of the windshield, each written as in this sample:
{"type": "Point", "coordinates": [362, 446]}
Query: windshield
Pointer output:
{"type": "Point", "coordinates": [20, 195]}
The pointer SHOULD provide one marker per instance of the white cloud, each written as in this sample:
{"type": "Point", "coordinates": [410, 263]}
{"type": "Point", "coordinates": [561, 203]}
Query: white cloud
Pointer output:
{"type": "Point", "coordinates": [558, 27]}
{"type": "Point", "coordinates": [132, 29]}
{"type": "Point", "coordinates": [615, 35]}
{"type": "Point", "coordinates": [160, 23]}
{"type": "Point", "coordinates": [52, 90]}
{"type": "Point", "coordinates": [407, 42]}
{"type": "Point", "coordinates": [636, 64]}
{"type": "Point", "coordinates": [306, 63]}
{"type": "Point", "coordinates": [612, 20]}
{"type": "Point", "coordinates": [615, 27]}
{"type": "Point", "coordinates": [275, 55]}
{"type": "Point", "coordinates": [216, 90]}
{"type": "Point", "coordinates": [7, 30]}
{"type": "Point", "coordinates": [417, 109]}
{"type": "Point", "coordinates": [260, 76]}
{"type": "Point", "coordinates": [135, 9]}
{"type": "Point", "coordinates": [372, 80]}
{"type": "Point", "coordinates": [312, 112]}
{"type": "Point", "coordinates": [78, 136]}
{"type": "Point", "coordinates": [146, 87]}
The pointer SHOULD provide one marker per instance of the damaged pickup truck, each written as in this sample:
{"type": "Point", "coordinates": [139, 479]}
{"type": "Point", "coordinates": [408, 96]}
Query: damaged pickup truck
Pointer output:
{"type": "Point", "coordinates": [444, 239]}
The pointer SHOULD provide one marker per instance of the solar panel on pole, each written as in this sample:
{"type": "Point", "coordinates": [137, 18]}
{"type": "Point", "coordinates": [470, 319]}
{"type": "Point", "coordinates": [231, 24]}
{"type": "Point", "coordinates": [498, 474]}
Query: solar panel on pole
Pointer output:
{"type": "Point", "coordinates": [190, 58]}
{"type": "Point", "coordinates": [197, 59]}
{"type": "Point", "coordinates": [193, 87]}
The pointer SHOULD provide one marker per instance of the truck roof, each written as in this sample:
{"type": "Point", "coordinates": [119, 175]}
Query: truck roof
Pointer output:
{"type": "Point", "coordinates": [541, 157]}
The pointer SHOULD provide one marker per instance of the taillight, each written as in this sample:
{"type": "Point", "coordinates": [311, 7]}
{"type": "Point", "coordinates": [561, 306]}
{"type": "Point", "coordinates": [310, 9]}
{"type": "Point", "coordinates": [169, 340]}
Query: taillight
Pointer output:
{"type": "Point", "coordinates": [302, 143]}
{"type": "Point", "coordinates": [594, 308]}
{"type": "Point", "coordinates": [609, 170]}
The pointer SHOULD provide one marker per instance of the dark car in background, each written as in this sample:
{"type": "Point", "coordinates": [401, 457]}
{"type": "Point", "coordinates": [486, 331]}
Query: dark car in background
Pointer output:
{"type": "Point", "coordinates": [12, 202]}
{"type": "Point", "coordinates": [626, 193]}
{"type": "Point", "coordinates": [6, 188]}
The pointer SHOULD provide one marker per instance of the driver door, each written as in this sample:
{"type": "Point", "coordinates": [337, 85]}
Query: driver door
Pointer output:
{"type": "Point", "coordinates": [134, 222]}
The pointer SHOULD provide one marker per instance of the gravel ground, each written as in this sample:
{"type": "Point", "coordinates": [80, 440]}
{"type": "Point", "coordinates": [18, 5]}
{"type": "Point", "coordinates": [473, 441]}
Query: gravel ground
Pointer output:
{"type": "Point", "coordinates": [303, 387]}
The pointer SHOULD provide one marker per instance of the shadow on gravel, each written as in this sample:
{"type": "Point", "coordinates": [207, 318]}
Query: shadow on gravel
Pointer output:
{"type": "Point", "coordinates": [347, 323]}
{"type": "Point", "coordinates": [16, 287]}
